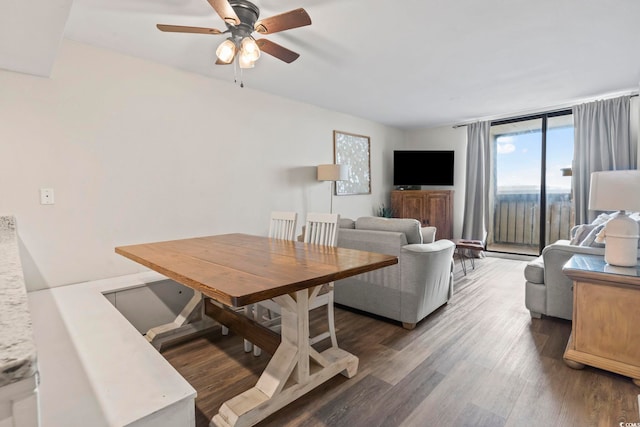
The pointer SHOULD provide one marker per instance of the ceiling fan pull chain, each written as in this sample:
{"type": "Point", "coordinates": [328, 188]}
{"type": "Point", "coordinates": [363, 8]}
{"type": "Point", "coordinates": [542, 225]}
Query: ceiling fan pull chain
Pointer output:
{"type": "Point", "coordinates": [235, 70]}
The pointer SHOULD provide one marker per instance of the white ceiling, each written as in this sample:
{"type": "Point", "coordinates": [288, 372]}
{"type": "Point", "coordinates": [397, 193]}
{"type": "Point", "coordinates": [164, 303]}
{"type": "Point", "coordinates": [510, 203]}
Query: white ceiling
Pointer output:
{"type": "Point", "coordinates": [409, 64]}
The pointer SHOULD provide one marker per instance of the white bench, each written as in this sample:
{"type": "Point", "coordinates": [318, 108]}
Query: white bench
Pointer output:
{"type": "Point", "coordinates": [96, 369]}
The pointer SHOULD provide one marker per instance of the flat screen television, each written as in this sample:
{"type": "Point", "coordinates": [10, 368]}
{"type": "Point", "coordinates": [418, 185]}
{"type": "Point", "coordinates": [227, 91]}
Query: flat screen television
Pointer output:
{"type": "Point", "coordinates": [422, 167]}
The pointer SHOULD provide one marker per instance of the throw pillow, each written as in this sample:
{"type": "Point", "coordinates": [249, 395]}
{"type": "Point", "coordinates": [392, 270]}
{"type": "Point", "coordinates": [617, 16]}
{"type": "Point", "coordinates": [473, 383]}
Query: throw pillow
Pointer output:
{"type": "Point", "coordinates": [602, 218]}
{"type": "Point", "coordinates": [581, 232]}
{"type": "Point", "coordinates": [590, 240]}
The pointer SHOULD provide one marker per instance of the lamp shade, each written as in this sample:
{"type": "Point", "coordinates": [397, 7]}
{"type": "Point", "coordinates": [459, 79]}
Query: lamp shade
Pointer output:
{"type": "Point", "coordinates": [615, 191]}
{"type": "Point", "coordinates": [333, 172]}
{"type": "Point", "coordinates": [226, 51]}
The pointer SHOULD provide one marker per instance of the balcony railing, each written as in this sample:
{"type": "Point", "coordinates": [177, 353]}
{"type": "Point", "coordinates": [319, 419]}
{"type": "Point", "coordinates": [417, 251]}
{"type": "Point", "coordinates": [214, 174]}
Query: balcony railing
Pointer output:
{"type": "Point", "coordinates": [516, 219]}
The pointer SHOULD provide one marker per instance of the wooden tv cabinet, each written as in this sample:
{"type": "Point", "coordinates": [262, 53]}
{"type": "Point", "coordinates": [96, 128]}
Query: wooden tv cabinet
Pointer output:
{"type": "Point", "coordinates": [430, 207]}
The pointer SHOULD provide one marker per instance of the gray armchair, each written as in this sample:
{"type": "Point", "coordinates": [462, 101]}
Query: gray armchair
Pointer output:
{"type": "Point", "coordinates": [407, 292]}
{"type": "Point", "coordinates": [547, 290]}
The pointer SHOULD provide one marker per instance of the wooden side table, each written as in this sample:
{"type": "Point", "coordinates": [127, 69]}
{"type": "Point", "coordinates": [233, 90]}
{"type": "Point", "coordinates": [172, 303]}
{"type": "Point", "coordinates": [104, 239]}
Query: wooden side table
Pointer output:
{"type": "Point", "coordinates": [606, 316]}
{"type": "Point", "coordinates": [462, 244]}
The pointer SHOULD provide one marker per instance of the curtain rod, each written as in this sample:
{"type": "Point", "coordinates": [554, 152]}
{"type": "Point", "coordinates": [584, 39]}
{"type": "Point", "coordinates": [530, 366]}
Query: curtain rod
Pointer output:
{"type": "Point", "coordinates": [551, 110]}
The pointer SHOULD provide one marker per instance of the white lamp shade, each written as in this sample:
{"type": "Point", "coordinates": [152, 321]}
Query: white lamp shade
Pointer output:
{"type": "Point", "coordinates": [245, 62]}
{"type": "Point", "coordinates": [615, 191]}
{"type": "Point", "coordinates": [333, 172]}
{"type": "Point", "coordinates": [250, 49]}
{"type": "Point", "coordinates": [226, 51]}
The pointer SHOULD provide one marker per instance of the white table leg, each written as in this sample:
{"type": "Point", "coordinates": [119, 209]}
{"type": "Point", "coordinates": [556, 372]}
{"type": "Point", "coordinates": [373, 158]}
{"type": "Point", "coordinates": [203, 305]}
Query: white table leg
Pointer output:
{"type": "Point", "coordinates": [295, 369]}
{"type": "Point", "coordinates": [191, 320]}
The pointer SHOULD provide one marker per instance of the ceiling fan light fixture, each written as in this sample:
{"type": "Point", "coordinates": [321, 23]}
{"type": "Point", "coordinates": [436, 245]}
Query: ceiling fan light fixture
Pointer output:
{"type": "Point", "coordinates": [250, 48]}
{"type": "Point", "coordinates": [241, 19]}
{"type": "Point", "coordinates": [245, 61]}
{"type": "Point", "coordinates": [226, 51]}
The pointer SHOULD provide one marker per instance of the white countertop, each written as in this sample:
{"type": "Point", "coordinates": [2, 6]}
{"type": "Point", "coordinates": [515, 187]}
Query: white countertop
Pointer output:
{"type": "Point", "coordinates": [17, 346]}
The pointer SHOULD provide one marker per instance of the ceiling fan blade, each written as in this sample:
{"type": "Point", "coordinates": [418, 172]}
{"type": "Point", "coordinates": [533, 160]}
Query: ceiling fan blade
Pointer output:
{"type": "Point", "coordinates": [275, 50]}
{"type": "Point", "coordinates": [183, 29]}
{"type": "Point", "coordinates": [226, 12]}
{"type": "Point", "coordinates": [285, 21]}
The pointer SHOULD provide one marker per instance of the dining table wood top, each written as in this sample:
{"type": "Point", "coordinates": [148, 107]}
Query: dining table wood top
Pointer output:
{"type": "Point", "coordinates": [240, 269]}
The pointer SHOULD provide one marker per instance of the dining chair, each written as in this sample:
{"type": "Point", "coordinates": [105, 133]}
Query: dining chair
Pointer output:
{"type": "Point", "coordinates": [319, 229]}
{"type": "Point", "coordinates": [282, 226]}
{"type": "Point", "coordinates": [322, 229]}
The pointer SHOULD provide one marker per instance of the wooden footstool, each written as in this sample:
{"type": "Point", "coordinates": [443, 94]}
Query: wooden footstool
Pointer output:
{"type": "Point", "coordinates": [474, 245]}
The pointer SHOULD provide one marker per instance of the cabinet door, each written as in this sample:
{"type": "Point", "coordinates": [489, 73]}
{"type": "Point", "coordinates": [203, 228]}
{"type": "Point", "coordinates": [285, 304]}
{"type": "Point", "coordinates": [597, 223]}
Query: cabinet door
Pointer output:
{"type": "Point", "coordinates": [414, 206]}
{"type": "Point", "coordinates": [438, 213]}
{"type": "Point", "coordinates": [431, 208]}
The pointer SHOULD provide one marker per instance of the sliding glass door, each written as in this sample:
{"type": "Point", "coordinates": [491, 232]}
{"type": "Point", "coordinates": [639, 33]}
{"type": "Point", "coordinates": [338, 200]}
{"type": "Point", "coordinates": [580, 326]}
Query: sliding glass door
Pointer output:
{"type": "Point", "coordinates": [531, 191]}
{"type": "Point", "coordinates": [559, 216]}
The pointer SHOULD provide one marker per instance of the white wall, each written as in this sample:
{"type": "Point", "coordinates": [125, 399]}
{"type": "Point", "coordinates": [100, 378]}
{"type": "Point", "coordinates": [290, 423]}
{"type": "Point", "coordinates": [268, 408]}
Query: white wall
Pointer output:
{"type": "Point", "coordinates": [446, 138]}
{"type": "Point", "coordinates": [139, 152]}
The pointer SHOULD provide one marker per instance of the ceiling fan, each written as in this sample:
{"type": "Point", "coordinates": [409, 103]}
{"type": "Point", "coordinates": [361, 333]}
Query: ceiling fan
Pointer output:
{"type": "Point", "coordinates": [241, 19]}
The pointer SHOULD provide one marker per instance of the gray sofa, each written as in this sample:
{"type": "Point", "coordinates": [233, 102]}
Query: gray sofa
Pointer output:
{"type": "Point", "coordinates": [547, 290]}
{"type": "Point", "coordinates": [407, 292]}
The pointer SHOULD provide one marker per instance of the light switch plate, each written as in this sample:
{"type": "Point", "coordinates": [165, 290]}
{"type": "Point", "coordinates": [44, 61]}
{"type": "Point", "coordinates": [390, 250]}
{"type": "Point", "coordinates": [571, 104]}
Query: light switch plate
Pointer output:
{"type": "Point", "coordinates": [46, 196]}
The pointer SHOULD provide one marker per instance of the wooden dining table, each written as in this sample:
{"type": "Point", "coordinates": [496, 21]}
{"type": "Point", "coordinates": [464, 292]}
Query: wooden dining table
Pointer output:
{"type": "Point", "coordinates": [233, 270]}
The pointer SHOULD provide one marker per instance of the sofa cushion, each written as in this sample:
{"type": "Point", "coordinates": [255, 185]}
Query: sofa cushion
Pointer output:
{"type": "Point", "coordinates": [428, 234]}
{"type": "Point", "coordinates": [534, 271]}
{"type": "Point", "coordinates": [410, 227]}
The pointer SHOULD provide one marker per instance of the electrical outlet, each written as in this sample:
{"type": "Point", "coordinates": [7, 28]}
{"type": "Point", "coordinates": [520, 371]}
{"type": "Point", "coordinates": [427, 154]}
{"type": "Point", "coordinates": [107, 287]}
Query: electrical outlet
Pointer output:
{"type": "Point", "coordinates": [46, 196]}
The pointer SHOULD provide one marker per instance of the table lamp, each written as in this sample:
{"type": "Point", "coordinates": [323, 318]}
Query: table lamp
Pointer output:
{"type": "Point", "coordinates": [617, 190]}
{"type": "Point", "coordinates": [333, 173]}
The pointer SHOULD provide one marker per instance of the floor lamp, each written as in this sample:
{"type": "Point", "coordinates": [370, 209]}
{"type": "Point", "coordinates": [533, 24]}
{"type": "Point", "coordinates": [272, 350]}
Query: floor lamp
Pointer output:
{"type": "Point", "coordinates": [333, 173]}
{"type": "Point", "coordinates": [617, 190]}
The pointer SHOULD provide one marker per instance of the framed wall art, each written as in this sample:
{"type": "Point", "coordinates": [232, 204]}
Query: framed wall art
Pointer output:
{"type": "Point", "coordinates": [353, 150]}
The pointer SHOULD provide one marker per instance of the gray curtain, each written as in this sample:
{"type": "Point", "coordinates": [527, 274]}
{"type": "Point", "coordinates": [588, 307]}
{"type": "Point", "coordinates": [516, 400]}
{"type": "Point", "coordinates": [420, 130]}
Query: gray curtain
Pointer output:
{"type": "Point", "coordinates": [602, 142]}
{"type": "Point", "coordinates": [476, 202]}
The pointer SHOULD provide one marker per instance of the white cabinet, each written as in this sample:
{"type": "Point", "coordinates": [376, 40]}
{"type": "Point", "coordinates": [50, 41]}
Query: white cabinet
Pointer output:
{"type": "Point", "coordinates": [19, 406]}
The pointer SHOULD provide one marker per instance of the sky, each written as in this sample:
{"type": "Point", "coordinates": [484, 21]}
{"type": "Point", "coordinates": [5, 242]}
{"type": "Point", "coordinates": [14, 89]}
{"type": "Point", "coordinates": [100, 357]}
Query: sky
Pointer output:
{"type": "Point", "coordinates": [519, 158]}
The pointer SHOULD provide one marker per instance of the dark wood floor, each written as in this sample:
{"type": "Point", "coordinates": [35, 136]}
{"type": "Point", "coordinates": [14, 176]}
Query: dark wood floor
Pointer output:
{"type": "Point", "coordinates": [478, 361]}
